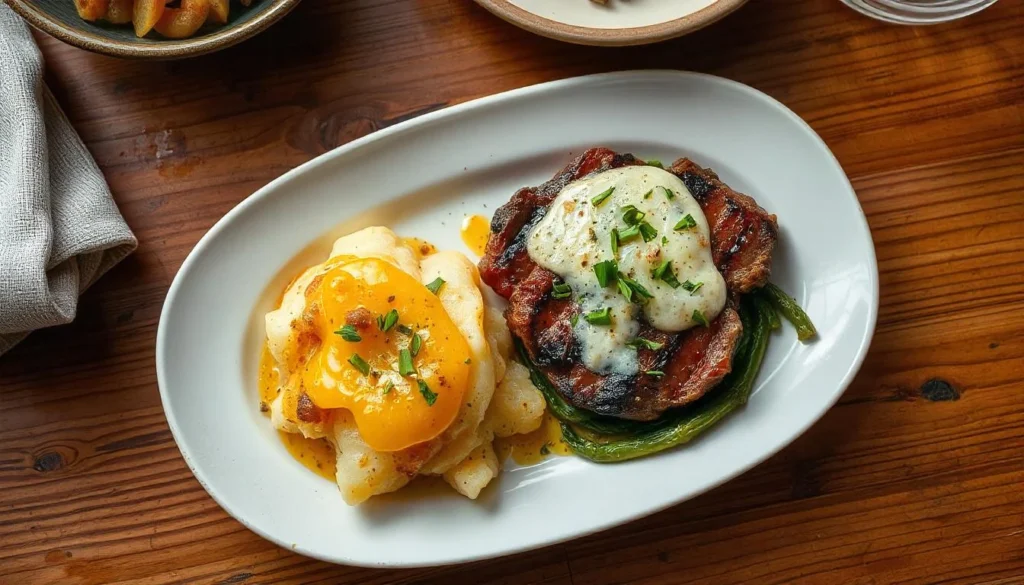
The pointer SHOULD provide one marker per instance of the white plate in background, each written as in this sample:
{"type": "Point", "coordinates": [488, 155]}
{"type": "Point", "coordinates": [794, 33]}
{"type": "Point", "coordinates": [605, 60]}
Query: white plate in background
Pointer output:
{"type": "Point", "coordinates": [421, 177]}
{"type": "Point", "coordinates": [614, 23]}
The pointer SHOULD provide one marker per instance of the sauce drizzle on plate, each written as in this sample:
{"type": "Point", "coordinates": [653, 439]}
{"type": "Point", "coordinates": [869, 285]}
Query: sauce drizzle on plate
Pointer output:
{"type": "Point", "coordinates": [475, 231]}
{"type": "Point", "coordinates": [532, 448]}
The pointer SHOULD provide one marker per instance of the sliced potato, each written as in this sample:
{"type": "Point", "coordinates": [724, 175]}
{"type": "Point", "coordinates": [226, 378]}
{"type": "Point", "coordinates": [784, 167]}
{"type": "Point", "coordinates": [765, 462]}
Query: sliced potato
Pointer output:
{"type": "Point", "coordinates": [145, 15]}
{"type": "Point", "coordinates": [517, 407]}
{"type": "Point", "coordinates": [91, 9]}
{"type": "Point", "coordinates": [181, 23]}
{"type": "Point", "coordinates": [473, 474]}
{"type": "Point", "coordinates": [219, 10]}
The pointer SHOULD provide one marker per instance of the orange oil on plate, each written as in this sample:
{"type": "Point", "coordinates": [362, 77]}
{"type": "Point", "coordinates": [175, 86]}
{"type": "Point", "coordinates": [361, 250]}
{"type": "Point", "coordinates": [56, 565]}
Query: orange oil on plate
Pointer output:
{"type": "Point", "coordinates": [475, 230]}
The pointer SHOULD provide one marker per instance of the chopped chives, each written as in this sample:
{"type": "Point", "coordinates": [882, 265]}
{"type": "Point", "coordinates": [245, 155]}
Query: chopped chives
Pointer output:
{"type": "Point", "coordinates": [647, 231]}
{"type": "Point", "coordinates": [655, 163]}
{"type": "Point", "coordinates": [386, 322]}
{"type": "Point", "coordinates": [669, 194]}
{"type": "Point", "coordinates": [629, 233]}
{"type": "Point", "coordinates": [655, 373]}
{"type": "Point", "coordinates": [429, 396]}
{"type": "Point", "coordinates": [415, 344]}
{"type": "Point", "coordinates": [631, 215]}
{"type": "Point", "coordinates": [664, 273]}
{"type": "Point", "coordinates": [625, 290]}
{"type": "Point", "coordinates": [692, 287]}
{"type": "Point", "coordinates": [664, 240]}
{"type": "Point", "coordinates": [599, 317]}
{"type": "Point", "coordinates": [435, 285]}
{"type": "Point", "coordinates": [635, 286]}
{"type": "Point", "coordinates": [561, 290]}
{"type": "Point", "coordinates": [615, 242]}
{"type": "Point", "coordinates": [405, 366]}
{"type": "Point", "coordinates": [349, 333]}
{"type": "Point", "coordinates": [574, 319]}
{"type": "Point", "coordinates": [600, 197]}
{"type": "Point", "coordinates": [359, 364]}
{"type": "Point", "coordinates": [640, 342]}
{"type": "Point", "coordinates": [647, 195]}
{"type": "Point", "coordinates": [700, 318]}
{"type": "Point", "coordinates": [405, 329]}
{"type": "Point", "coordinates": [388, 387]}
{"type": "Point", "coordinates": [686, 222]}
{"type": "Point", "coordinates": [605, 271]}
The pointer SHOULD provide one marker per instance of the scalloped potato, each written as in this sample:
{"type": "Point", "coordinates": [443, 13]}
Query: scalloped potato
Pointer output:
{"type": "Point", "coordinates": [392, 355]}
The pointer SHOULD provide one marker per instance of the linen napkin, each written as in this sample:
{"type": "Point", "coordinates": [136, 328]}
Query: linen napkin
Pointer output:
{"type": "Point", "coordinates": [59, 227]}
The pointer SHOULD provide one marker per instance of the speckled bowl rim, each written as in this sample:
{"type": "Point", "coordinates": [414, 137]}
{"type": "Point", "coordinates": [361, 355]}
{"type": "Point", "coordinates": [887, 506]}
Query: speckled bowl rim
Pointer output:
{"type": "Point", "coordinates": [610, 37]}
{"type": "Point", "coordinates": [164, 49]}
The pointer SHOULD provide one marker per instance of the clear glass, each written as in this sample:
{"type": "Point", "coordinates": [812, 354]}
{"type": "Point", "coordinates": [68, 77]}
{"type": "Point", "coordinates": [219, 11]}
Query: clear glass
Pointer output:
{"type": "Point", "coordinates": [918, 11]}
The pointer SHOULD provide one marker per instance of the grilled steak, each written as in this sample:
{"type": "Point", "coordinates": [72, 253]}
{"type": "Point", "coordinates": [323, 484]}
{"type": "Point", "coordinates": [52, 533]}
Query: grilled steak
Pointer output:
{"type": "Point", "coordinates": [693, 361]}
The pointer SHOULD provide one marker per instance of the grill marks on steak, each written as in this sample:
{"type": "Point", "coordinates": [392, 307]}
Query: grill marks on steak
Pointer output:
{"type": "Point", "coordinates": [742, 234]}
{"type": "Point", "coordinates": [742, 238]}
{"type": "Point", "coordinates": [505, 258]}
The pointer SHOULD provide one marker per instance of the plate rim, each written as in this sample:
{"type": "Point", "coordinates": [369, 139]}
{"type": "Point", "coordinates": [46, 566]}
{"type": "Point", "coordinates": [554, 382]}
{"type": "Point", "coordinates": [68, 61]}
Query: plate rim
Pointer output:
{"type": "Point", "coordinates": [484, 102]}
{"type": "Point", "coordinates": [610, 37]}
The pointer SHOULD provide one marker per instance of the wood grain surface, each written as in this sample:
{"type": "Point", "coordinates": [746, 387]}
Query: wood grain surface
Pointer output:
{"type": "Point", "coordinates": [916, 476]}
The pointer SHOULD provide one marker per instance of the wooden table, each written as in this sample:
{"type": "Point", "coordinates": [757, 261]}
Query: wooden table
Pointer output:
{"type": "Point", "coordinates": [916, 476]}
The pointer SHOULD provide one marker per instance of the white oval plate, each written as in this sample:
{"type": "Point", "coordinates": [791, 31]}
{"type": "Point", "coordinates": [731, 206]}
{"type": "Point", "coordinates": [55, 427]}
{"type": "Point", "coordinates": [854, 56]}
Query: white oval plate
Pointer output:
{"type": "Point", "coordinates": [421, 177]}
{"type": "Point", "coordinates": [615, 23]}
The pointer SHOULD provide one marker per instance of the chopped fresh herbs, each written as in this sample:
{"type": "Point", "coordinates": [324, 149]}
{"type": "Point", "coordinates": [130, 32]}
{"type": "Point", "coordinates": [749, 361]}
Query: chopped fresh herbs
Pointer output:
{"type": "Point", "coordinates": [468, 361]}
{"type": "Point", "coordinates": [686, 222]}
{"type": "Point", "coordinates": [625, 290]}
{"type": "Point", "coordinates": [404, 329]}
{"type": "Point", "coordinates": [629, 233]}
{"type": "Point", "coordinates": [435, 285]}
{"type": "Point", "coordinates": [664, 273]}
{"type": "Point", "coordinates": [655, 373]}
{"type": "Point", "coordinates": [415, 344]}
{"type": "Point", "coordinates": [634, 286]}
{"type": "Point", "coordinates": [349, 333]}
{"type": "Point", "coordinates": [615, 242]}
{"type": "Point", "coordinates": [574, 319]}
{"type": "Point", "coordinates": [647, 231]}
{"type": "Point", "coordinates": [599, 317]}
{"type": "Point", "coordinates": [669, 194]}
{"type": "Point", "coordinates": [648, 194]}
{"type": "Point", "coordinates": [545, 449]}
{"type": "Point", "coordinates": [386, 322]}
{"type": "Point", "coordinates": [605, 272]}
{"type": "Point", "coordinates": [561, 290]}
{"type": "Point", "coordinates": [631, 215]}
{"type": "Point", "coordinates": [640, 342]}
{"type": "Point", "coordinates": [405, 366]}
{"type": "Point", "coordinates": [664, 240]}
{"type": "Point", "coordinates": [429, 396]}
{"type": "Point", "coordinates": [388, 387]}
{"type": "Point", "coordinates": [655, 163]}
{"type": "Point", "coordinates": [359, 364]}
{"type": "Point", "coordinates": [700, 318]}
{"type": "Point", "coordinates": [692, 287]}
{"type": "Point", "coordinates": [600, 197]}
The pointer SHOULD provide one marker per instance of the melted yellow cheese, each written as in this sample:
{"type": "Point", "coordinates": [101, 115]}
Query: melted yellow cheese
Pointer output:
{"type": "Point", "coordinates": [392, 411]}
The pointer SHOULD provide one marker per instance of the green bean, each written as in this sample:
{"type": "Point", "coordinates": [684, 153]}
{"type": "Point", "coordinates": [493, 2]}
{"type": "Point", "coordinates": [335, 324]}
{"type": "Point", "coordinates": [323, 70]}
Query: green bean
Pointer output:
{"type": "Point", "coordinates": [566, 412]}
{"type": "Point", "coordinates": [789, 308]}
{"type": "Point", "coordinates": [692, 421]}
{"type": "Point", "coordinates": [773, 315]}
